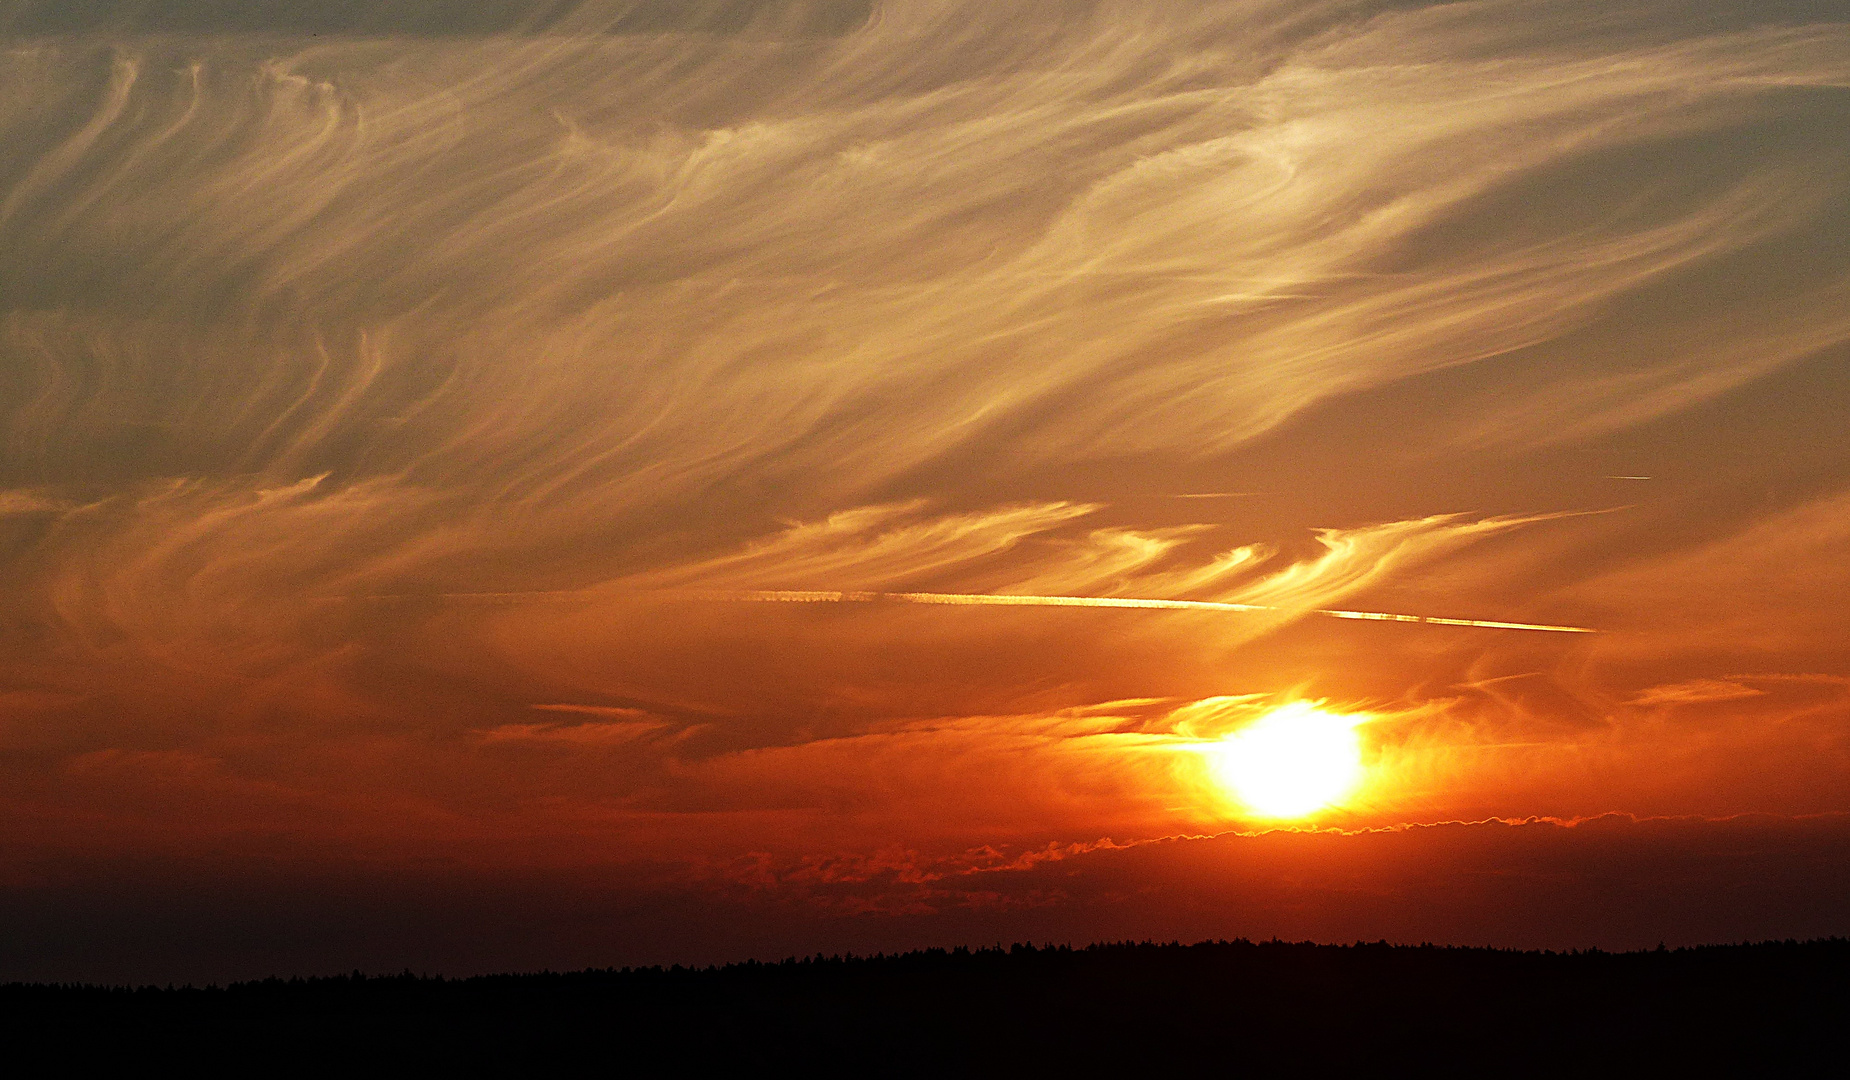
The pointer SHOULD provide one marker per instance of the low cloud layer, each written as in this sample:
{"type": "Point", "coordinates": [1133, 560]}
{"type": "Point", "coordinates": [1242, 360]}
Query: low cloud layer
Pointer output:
{"type": "Point", "coordinates": [1612, 882]}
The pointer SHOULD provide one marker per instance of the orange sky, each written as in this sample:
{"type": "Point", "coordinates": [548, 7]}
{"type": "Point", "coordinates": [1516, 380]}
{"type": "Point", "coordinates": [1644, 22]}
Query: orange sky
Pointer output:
{"type": "Point", "coordinates": [408, 415]}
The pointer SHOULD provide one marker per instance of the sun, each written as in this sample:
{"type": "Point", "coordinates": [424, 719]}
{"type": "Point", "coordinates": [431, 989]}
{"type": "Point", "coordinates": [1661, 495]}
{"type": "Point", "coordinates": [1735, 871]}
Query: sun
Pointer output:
{"type": "Point", "coordinates": [1291, 762]}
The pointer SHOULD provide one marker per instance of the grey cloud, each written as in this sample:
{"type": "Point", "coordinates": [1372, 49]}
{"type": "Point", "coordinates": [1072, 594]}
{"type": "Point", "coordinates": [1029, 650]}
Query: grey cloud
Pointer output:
{"type": "Point", "coordinates": [440, 18]}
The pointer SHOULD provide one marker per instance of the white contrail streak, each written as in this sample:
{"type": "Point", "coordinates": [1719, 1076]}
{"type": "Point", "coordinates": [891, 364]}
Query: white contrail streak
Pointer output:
{"type": "Point", "coordinates": [810, 596]}
{"type": "Point", "coordinates": [831, 596]}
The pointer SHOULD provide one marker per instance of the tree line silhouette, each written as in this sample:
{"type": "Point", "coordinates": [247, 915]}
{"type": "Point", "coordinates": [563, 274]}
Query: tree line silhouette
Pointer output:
{"type": "Point", "coordinates": [1232, 1007]}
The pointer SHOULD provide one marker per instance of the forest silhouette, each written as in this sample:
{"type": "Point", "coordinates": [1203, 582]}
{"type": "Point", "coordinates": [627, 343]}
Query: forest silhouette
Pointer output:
{"type": "Point", "coordinates": [1236, 1007]}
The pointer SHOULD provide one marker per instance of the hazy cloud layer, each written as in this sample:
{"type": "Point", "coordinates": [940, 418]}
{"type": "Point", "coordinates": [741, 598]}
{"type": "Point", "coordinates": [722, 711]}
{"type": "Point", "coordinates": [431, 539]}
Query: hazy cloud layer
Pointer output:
{"type": "Point", "coordinates": [1614, 882]}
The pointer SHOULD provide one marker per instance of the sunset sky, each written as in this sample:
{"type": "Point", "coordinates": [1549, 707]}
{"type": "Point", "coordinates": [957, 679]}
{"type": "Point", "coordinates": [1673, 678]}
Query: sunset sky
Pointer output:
{"type": "Point", "coordinates": [508, 483]}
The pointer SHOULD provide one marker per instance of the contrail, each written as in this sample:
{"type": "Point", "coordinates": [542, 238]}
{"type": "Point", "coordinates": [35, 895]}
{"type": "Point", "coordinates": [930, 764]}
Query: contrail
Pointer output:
{"type": "Point", "coordinates": [831, 596]}
{"type": "Point", "coordinates": [809, 596]}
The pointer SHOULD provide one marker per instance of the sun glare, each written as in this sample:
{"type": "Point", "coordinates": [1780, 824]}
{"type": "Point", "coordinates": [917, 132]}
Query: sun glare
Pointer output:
{"type": "Point", "coordinates": [1291, 762]}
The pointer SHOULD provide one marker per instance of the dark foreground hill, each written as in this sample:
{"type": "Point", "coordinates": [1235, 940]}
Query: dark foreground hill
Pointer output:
{"type": "Point", "coordinates": [1225, 1008]}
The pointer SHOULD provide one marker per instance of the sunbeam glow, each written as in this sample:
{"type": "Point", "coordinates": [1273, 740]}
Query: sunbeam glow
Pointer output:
{"type": "Point", "coordinates": [1290, 763]}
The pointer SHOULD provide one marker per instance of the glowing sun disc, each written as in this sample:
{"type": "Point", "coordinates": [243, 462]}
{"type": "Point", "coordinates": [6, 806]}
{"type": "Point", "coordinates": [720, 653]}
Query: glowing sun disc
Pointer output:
{"type": "Point", "coordinates": [1291, 762]}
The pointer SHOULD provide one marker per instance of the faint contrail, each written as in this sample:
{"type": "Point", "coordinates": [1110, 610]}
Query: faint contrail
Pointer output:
{"type": "Point", "coordinates": [811, 596]}
{"type": "Point", "coordinates": [831, 596]}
